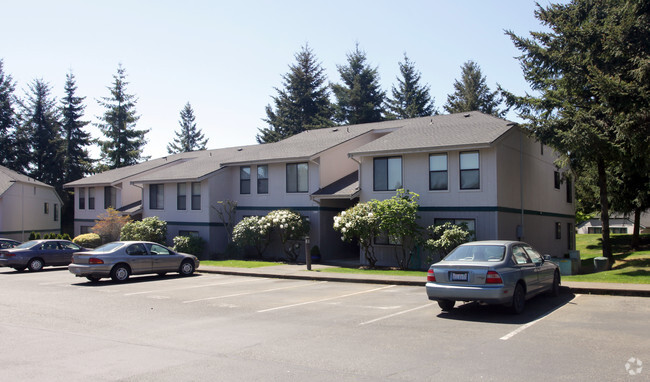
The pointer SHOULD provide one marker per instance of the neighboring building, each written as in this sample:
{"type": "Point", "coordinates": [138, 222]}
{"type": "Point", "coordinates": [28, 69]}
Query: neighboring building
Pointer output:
{"type": "Point", "coordinates": [27, 205]}
{"type": "Point", "coordinates": [507, 188]}
{"type": "Point", "coordinates": [618, 223]}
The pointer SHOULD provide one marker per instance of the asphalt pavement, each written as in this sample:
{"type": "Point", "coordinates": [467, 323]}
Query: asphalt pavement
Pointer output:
{"type": "Point", "coordinates": [318, 272]}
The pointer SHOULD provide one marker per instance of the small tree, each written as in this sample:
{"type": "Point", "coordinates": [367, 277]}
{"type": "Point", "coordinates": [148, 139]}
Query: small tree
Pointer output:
{"type": "Point", "coordinates": [149, 229]}
{"type": "Point", "coordinates": [109, 225]}
{"type": "Point", "coordinates": [227, 210]}
{"type": "Point", "coordinates": [398, 217]}
{"type": "Point", "coordinates": [291, 227]}
{"type": "Point", "coordinates": [253, 231]}
{"type": "Point", "coordinates": [443, 238]}
{"type": "Point", "coordinates": [360, 223]}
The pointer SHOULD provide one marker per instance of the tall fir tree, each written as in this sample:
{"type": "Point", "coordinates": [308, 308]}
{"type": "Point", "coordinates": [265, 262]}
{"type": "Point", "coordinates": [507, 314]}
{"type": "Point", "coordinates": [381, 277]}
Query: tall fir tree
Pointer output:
{"type": "Point", "coordinates": [360, 98]}
{"type": "Point", "coordinates": [7, 119]}
{"type": "Point", "coordinates": [76, 159]}
{"type": "Point", "coordinates": [124, 143]}
{"type": "Point", "coordinates": [472, 93]}
{"type": "Point", "coordinates": [303, 103]}
{"type": "Point", "coordinates": [410, 99]}
{"type": "Point", "coordinates": [189, 138]}
{"type": "Point", "coordinates": [41, 126]}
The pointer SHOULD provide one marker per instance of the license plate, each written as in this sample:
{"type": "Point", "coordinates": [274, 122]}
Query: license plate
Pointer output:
{"type": "Point", "coordinates": [458, 276]}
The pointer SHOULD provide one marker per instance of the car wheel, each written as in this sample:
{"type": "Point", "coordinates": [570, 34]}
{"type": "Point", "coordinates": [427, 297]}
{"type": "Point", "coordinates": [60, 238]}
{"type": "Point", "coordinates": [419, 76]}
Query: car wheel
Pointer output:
{"type": "Point", "coordinates": [446, 305]}
{"type": "Point", "coordinates": [187, 268]}
{"type": "Point", "coordinates": [555, 288]}
{"type": "Point", "coordinates": [93, 279]}
{"type": "Point", "coordinates": [518, 299]}
{"type": "Point", "coordinates": [120, 273]}
{"type": "Point", "coordinates": [35, 265]}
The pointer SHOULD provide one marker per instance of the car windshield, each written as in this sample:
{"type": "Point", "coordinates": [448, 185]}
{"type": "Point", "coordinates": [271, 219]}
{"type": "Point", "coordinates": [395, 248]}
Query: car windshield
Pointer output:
{"type": "Point", "coordinates": [108, 247]}
{"type": "Point", "coordinates": [477, 253]}
{"type": "Point", "coordinates": [27, 244]}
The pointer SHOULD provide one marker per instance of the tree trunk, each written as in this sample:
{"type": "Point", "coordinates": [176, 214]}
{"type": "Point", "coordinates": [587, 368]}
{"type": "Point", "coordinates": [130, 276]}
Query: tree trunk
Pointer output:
{"type": "Point", "coordinates": [604, 211]}
{"type": "Point", "coordinates": [637, 228]}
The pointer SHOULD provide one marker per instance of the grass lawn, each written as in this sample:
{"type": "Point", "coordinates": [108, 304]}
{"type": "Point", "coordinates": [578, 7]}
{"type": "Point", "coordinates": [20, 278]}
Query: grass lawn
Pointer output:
{"type": "Point", "coordinates": [389, 272]}
{"type": "Point", "coordinates": [239, 263]}
{"type": "Point", "coordinates": [629, 266]}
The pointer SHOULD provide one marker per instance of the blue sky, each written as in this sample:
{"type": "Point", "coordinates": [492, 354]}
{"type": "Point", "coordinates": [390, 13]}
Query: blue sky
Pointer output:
{"type": "Point", "coordinates": [225, 58]}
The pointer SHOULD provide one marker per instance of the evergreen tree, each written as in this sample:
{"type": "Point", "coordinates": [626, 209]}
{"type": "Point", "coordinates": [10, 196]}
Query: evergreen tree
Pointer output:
{"type": "Point", "coordinates": [189, 138]}
{"type": "Point", "coordinates": [76, 160]}
{"type": "Point", "coordinates": [7, 119]}
{"type": "Point", "coordinates": [303, 103]}
{"type": "Point", "coordinates": [472, 93]}
{"type": "Point", "coordinates": [41, 128]}
{"type": "Point", "coordinates": [410, 99]}
{"type": "Point", "coordinates": [360, 98]}
{"type": "Point", "coordinates": [124, 144]}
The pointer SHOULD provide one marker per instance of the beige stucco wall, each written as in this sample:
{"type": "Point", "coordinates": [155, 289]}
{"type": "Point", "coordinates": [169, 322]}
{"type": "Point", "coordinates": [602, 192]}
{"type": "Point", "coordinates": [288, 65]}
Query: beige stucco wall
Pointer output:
{"type": "Point", "coordinates": [22, 211]}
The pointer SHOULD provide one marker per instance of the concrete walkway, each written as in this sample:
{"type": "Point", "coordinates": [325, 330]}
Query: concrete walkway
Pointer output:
{"type": "Point", "coordinates": [300, 272]}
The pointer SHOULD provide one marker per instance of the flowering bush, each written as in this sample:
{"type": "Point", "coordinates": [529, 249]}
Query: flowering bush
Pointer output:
{"type": "Point", "coordinates": [445, 237]}
{"type": "Point", "coordinates": [189, 244]}
{"type": "Point", "coordinates": [253, 231]}
{"type": "Point", "coordinates": [362, 223]}
{"type": "Point", "coordinates": [148, 229]}
{"type": "Point", "coordinates": [291, 227]}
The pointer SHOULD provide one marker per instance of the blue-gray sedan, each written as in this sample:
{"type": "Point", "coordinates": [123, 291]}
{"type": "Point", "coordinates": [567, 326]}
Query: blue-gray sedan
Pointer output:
{"type": "Point", "coordinates": [36, 254]}
{"type": "Point", "coordinates": [492, 272]}
{"type": "Point", "coordinates": [120, 259]}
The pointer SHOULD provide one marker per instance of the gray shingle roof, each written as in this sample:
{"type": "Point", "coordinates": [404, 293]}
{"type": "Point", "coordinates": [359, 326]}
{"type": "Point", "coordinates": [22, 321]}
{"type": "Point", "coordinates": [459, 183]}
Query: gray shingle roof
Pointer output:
{"type": "Point", "coordinates": [440, 131]}
{"type": "Point", "coordinates": [8, 177]}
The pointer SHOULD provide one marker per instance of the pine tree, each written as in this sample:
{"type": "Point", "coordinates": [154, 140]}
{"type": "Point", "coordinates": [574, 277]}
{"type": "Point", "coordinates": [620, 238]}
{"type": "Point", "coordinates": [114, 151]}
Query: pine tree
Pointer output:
{"type": "Point", "coordinates": [410, 100]}
{"type": "Point", "coordinates": [303, 103]}
{"type": "Point", "coordinates": [41, 126]}
{"type": "Point", "coordinates": [189, 138]}
{"type": "Point", "coordinates": [7, 119]}
{"type": "Point", "coordinates": [76, 160]}
{"type": "Point", "coordinates": [124, 144]}
{"type": "Point", "coordinates": [360, 98]}
{"type": "Point", "coordinates": [472, 93]}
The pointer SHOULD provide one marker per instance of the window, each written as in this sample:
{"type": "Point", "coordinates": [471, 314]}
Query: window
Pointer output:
{"type": "Point", "coordinates": [188, 233]}
{"type": "Point", "coordinates": [157, 249]}
{"type": "Point", "coordinates": [46, 208]}
{"type": "Point", "coordinates": [520, 255]}
{"type": "Point", "coordinates": [556, 178]}
{"type": "Point", "coordinates": [570, 233]}
{"type": "Point", "coordinates": [534, 255]}
{"type": "Point", "coordinates": [91, 198]}
{"type": "Point", "coordinates": [297, 177]}
{"type": "Point", "coordinates": [156, 196]}
{"type": "Point", "coordinates": [558, 231]}
{"type": "Point", "coordinates": [137, 249]}
{"type": "Point", "coordinates": [109, 197]}
{"type": "Point", "coordinates": [569, 191]}
{"type": "Point", "coordinates": [181, 196]}
{"type": "Point", "coordinates": [469, 223]}
{"type": "Point", "coordinates": [438, 178]}
{"type": "Point", "coordinates": [384, 239]}
{"type": "Point", "coordinates": [263, 179]}
{"type": "Point", "coordinates": [82, 198]}
{"type": "Point", "coordinates": [469, 171]}
{"type": "Point", "coordinates": [387, 174]}
{"type": "Point", "coordinates": [245, 180]}
{"type": "Point", "coordinates": [56, 212]}
{"type": "Point", "coordinates": [196, 195]}
{"type": "Point", "coordinates": [84, 229]}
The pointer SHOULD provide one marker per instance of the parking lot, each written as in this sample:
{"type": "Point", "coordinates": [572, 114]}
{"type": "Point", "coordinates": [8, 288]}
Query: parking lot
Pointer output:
{"type": "Point", "coordinates": [54, 326]}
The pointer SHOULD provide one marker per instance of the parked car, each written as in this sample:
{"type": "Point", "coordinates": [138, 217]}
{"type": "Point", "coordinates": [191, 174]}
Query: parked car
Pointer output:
{"type": "Point", "coordinates": [36, 254]}
{"type": "Point", "coordinates": [120, 259]}
{"type": "Point", "coordinates": [492, 272]}
{"type": "Point", "coordinates": [8, 243]}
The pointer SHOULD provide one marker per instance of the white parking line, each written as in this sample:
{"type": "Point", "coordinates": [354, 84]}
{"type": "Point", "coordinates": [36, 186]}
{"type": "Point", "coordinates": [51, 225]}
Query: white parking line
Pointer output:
{"type": "Point", "coordinates": [252, 292]}
{"type": "Point", "coordinates": [196, 286]}
{"type": "Point", "coordinates": [324, 299]}
{"type": "Point", "coordinates": [395, 314]}
{"type": "Point", "coordinates": [528, 325]}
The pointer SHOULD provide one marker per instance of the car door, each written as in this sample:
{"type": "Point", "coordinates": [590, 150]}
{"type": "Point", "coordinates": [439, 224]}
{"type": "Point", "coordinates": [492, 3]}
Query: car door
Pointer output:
{"type": "Point", "coordinates": [527, 268]}
{"type": "Point", "coordinates": [545, 271]}
{"type": "Point", "coordinates": [164, 260]}
{"type": "Point", "coordinates": [50, 252]}
{"type": "Point", "coordinates": [66, 249]}
{"type": "Point", "coordinates": [138, 258]}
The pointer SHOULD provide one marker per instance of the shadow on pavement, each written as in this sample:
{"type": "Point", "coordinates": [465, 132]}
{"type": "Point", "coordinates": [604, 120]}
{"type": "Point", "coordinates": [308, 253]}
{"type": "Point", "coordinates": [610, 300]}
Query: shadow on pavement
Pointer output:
{"type": "Point", "coordinates": [132, 280]}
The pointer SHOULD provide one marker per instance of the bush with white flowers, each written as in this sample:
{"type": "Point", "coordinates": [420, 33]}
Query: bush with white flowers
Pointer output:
{"type": "Point", "coordinates": [291, 228]}
{"type": "Point", "coordinates": [361, 223]}
{"type": "Point", "coordinates": [253, 231]}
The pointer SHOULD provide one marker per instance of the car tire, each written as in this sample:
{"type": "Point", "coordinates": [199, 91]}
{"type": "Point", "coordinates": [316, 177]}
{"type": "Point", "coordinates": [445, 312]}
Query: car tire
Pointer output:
{"type": "Point", "coordinates": [120, 273]}
{"type": "Point", "coordinates": [93, 279]}
{"type": "Point", "coordinates": [446, 305]}
{"type": "Point", "coordinates": [555, 288]}
{"type": "Point", "coordinates": [518, 299]}
{"type": "Point", "coordinates": [35, 264]}
{"type": "Point", "coordinates": [186, 268]}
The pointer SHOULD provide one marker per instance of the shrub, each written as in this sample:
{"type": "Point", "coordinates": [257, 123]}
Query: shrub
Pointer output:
{"type": "Point", "coordinates": [253, 231]}
{"type": "Point", "coordinates": [445, 237]}
{"type": "Point", "coordinates": [291, 227]}
{"type": "Point", "coordinates": [110, 224]}
{"type": "Point", "coordinates": [66, 236]}
{"type": "Point", "coordinates": [189, 244]}
{"type": "Point", "coordinates": [361, 223]}
{"type": "Point", "coordinates": [148, 229]}
{"type": "Point", "coordinates": [88, 240]}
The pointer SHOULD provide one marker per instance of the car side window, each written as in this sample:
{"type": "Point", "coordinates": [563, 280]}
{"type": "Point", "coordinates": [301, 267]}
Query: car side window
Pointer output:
{"type": "Point", "coordinates": [50, 245]}
{"type": "Point", "coordinates": [519, 255]}
{"type": "Point", "coordinates": [73, 246]}
{"type": "Point", "coordinates": [534, 255]}
{"type": "Point", "coordinates": [136, 250]}
{"type": "Point", "coordinates": [159, 250]}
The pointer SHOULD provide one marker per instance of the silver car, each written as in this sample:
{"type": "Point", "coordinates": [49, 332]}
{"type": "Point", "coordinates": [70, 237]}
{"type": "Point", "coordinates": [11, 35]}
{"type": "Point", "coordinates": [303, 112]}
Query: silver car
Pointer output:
{"type": "Point", "coordinates": [493, 272]}
{"type": "Point", "coordinates": [120, 259]}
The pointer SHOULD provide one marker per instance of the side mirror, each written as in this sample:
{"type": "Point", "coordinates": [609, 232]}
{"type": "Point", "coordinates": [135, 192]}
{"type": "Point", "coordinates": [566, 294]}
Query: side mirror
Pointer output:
{"type": "Point", "coordinates": [546, 257]}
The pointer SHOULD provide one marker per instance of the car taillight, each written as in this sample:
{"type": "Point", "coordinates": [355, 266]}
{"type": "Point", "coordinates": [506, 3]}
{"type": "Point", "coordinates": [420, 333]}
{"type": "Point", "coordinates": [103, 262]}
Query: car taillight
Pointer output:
{"type": "Point", "coordinates": [431, 277]}
{"type": "Point", "coordinates": [493, 278]}
{"type": "Point", "coordinates": [9, 254]}
{"type": "Point", "coordinates": [95, 260]}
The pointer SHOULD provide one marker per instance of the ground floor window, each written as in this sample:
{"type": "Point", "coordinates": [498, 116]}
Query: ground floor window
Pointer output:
{"type": "Point", "coordinates": [188, 233]}
{"type": "Point", "coordinates": [84, 229]}
{"type": "Point", "coordinates": [469, 223]}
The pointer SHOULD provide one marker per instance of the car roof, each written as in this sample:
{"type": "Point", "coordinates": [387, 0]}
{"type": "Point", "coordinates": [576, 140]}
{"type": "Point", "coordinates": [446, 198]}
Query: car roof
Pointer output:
{"type": "Point", "coordinates": [495, 242]}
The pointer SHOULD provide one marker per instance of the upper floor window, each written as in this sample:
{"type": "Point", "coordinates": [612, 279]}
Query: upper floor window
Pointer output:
{"type": "Point", "coordinates": [569, 191]}
{"type": "Point", "coordinates": [470, 174]}
{"type": "Point", "coordinates": [56, 212]}
{"type": "Point", "coordinates": [156, 196]}
{"type": "Point", "coordinates": [387, 174]}
{"type": "Point", "coordinates": [46, 208]}
{"type": "Point", "coordinates": [263, 179]}
{"type": "Point", "coordinates": [91, 198]}
{"type": "Point", "coordinates": [82, 198]}
{"type": "Point", "coordinates": [556, 179]}
{"type": "Point", "coordinates": [109, 197]}
{"type": "Point", "coordinates": [438, 174]}
{"type": "Point", "coordinates": [196, 195]}
{"type": "Point", "coordinates": [245, 180]}
{"type": "Point", "coordinates": [297, 177]}
{"type": "Point", "coordinates": [181, 196]}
